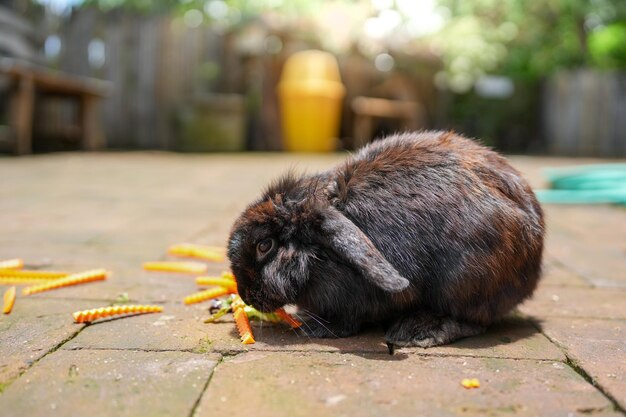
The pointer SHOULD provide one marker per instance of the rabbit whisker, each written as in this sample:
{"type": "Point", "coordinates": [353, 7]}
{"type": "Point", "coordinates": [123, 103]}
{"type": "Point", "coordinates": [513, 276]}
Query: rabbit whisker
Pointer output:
{"type": "Point", "coordinates": [318, 321]}
{"type": "Point", "coordinates": [304, 323]}
{"type": "Point", "coordinates": [310, 313]}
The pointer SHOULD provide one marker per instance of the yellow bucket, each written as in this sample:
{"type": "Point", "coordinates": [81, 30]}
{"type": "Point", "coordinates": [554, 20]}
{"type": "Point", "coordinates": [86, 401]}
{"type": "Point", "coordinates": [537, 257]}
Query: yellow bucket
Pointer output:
{"type": "Point", "coordinates": [310, 93]}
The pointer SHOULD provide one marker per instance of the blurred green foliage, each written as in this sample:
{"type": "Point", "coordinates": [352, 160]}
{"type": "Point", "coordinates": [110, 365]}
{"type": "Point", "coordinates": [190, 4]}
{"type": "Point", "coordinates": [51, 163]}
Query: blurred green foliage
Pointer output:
{"type": "Point", "coordinates": [521, 39]}
{"type": "Point", "coordinates": [607, 46]}
{"type": "Point", "coordinates": [530, 39]}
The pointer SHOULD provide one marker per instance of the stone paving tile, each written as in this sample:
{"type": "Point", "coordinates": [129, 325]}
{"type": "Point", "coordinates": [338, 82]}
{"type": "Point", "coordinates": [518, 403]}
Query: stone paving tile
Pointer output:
{"type": "Point", "coordinates": [576, 302]}
{"type": "Point", "coordinates": [597, 346]}
{"type": "Point", "coordinates": [140, 286]}
{"type": "Point", "coordinates": [513, 338]}
{"type": "Point", "coordinates": [603, 221]}
{"type": "Point", "coordinates": [119, 210]}
{"type": "Point", "coordinates": [34, 328]}
{"type": "Point", "coordinates": [110, 383]}
{"type": "Point", "coordinates": [306, 384]}
{"type": "Point", "coordinates": [600, 258]}
{"type": "Point", "coordinates": [554, 273]}
{"type": "Point", "coordinates": [176, 328]}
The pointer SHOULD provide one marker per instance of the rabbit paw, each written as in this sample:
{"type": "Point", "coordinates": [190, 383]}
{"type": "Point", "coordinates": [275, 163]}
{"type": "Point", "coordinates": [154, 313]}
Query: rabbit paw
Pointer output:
{"type": "Point", "coordinates": [425, 330]}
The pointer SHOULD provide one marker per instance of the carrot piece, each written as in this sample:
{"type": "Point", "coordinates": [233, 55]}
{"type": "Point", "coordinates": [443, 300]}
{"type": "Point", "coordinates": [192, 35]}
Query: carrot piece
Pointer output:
{"type": "Point", "coordinates": [206, 295]}
{"type": "Point", "coordinates": [228, 275]}
{"type": "Point", "coordinates": [25, 273]}
{"type": "Point", "coordinates": [181, 267]}
{"type": "Point", "coordinates": [191, 250]}
{"type": "Point", "coordinates": [219, 281]}
{"type": "Point", "coordinates": [86, 316]}
{"type": "Point", "coordinates": [74, 279]}
{"type": "Point", "coordinates": [12, 264]}
{"type": "Point", "coordinates": [21, 280]}
{"type": "Point", "coordinates": [288, 319]}
{"type": "Point", "coordinates": [9, 300]}
{"type": "Point", "coordinates": [243, 326]}
{"type": "Point", "coordinates": [470, 383]}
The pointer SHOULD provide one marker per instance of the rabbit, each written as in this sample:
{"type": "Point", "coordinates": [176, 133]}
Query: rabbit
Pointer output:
{"type": "Point", "coordinates": [430, 235]}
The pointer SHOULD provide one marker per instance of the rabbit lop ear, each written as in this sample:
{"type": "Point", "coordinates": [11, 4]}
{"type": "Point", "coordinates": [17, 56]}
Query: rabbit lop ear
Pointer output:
{"type": "Point", "coordinates": [347, 240]}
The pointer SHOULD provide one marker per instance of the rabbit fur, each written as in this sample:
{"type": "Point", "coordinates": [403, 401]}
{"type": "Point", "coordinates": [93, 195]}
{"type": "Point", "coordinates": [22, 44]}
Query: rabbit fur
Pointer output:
{"type": "Point", "coordinates": [431, 235]}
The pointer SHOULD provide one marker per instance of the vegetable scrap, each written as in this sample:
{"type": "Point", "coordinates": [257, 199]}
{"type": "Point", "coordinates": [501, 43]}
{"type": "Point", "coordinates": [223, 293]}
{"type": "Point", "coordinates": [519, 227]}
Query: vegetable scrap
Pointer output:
{"type": "Point", "coordinates": [191, 250]}
{"type": "Point", "coordinates": [180, 267]}
{"type": "Point", "coordinates": [242, 314]}
{"type": "Point", "coordinates": [87, 316]}
{"type": "Point", "coordinates": [9, 300]}
{"type": "Point", "coordinates": [243, 324]}
{"type": "Point", "coordinates": [470, 383]}
{"type": "Point", "coordinates": [223, 281]}
{"type": "Point", "coordinates": [24, 274]}
{"type": "Point", "coordinates": [206, 295]}
{"type": "Point", "coordinates": [12, 264]}
{"type": "Point", "coordinates": [21, 280]}
{"type": "Point", "coordinates": [288, 319]}
{"type": "Point", "coordinates": [74, 279]}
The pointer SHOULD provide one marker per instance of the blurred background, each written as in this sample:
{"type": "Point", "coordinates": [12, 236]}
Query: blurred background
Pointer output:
{"type": "Point", "coordinates": [538, 77]}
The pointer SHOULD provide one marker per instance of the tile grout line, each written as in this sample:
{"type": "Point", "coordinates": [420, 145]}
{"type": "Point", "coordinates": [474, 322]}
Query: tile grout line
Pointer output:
{"type": "Point", "coordinates": [196, 404]}
{"type": "Point", "coordinates": [576, 367]}
{"type": "Point", "coordinates": [228, 353]}
{"type": "Point", "coordinates": [35, 362]}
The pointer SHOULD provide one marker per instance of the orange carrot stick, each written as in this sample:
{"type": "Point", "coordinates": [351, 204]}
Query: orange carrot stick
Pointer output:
{"type": "Point", "coordinates": [206, 295]}
{"type": "Point", "coordinates": [12, 264]}
{"type": "Point", "coordinates": [470, 383]}
{"type": "Point", "coordinates": [219, 281]}
{"type": "Point", "coordinates": [21, 280]}
{"type": "Point", "coordinates": [228, 275]}
{"type": "Point", "coordinates": [190, 250]}
{"type": "Point", "coordinates": [9, 300]}
{"type": "Point", "coordinates": [181, 267]}
{"type": "Point", "coordinates": [243, 326]}
{"type": "Point", "coordinates": [288, 319]}
{"type": "Point", "coordinates": [86, 316]}
{"type": "Point", "coordinates": [74, 279]}
{"type": "Point", "coordinates": [25, 273]}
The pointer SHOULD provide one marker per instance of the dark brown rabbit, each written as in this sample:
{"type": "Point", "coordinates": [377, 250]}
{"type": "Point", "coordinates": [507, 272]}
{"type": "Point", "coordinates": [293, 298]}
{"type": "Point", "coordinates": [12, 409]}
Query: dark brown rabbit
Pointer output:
{"type": "Point", "coordinates": [429, 234]}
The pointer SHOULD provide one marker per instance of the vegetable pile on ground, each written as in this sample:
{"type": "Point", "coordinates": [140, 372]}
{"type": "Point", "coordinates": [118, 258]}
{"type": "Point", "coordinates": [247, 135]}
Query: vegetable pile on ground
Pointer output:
{"type": "Point", "coordinates": [222, 291]}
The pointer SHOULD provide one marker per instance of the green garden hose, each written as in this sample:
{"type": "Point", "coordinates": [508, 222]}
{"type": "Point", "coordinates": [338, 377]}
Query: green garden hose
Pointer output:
{"type": "Point", "coordinates": [589, 184]}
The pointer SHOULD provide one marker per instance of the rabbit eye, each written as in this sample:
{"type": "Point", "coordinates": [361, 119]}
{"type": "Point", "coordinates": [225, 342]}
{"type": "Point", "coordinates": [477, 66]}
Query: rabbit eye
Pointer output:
{"type": "Point", "coordinates": [264, 246]}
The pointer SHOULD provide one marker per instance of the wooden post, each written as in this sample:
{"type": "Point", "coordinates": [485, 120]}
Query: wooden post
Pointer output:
{"type": "Point", "coordinates": [362, 130]}
{"type": "Point", "coordinates": [22, 114]}
{"type": "Point", "coordinates": [93, 138]}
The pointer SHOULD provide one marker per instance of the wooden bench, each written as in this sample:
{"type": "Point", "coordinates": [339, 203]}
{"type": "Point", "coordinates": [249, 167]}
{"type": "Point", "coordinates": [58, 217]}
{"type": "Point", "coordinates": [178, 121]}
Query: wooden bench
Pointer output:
{"type": "Point", "coordinates": [33, 83]}
{"type": "Point", "coordinates": [409, 114]}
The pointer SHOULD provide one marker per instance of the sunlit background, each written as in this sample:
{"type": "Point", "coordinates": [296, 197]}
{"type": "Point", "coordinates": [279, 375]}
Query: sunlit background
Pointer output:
{"type": "Point", "coordinates": [524, 76]}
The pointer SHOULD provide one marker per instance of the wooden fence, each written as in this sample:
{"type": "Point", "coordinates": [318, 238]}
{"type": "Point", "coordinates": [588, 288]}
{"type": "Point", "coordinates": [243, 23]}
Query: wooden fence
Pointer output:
{"type": "Point", "coordinates": [154, 64]}
{"type": "Point", "coordinates": [585, 114]}
{"type": "Point", "coordinates": [157, 67]}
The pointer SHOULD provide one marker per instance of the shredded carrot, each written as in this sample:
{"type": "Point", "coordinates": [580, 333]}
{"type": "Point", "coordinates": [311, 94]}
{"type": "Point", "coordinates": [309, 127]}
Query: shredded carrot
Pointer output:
{"type": "Point", "coordinates": [288, 319]}
{"type": "Point", "coordinates": [12, 264]}
{"type": "Point", "coordinates": [206, 295]}
{"type": "Point", "coordinates": [228, 275]}
{"type": "Point", "coordinates": [22, 280]}
{"type": "Point", "coordinates": [191, 250]}
{"type": "Point", "coordinates": [243, 326]}
{"type": "Point", "coordinates": [181, 267]}
{"type": "Point", "coordinates": [74, 279]}
{"type": "Point", "coordinates": [219, 281]}
{"type": "Point", "coordinates": [9, 300]}
{"type": "Point", "coordinates": [25, 273]}
{"type": "Point", "coordinates": [469, 383]}
{"type": "Point", "coordinates": [86, 316]}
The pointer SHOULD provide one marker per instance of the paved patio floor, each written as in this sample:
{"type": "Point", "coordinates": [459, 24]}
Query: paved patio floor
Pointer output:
{"type": "Point", "coordinates": [563, 354]}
